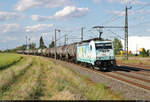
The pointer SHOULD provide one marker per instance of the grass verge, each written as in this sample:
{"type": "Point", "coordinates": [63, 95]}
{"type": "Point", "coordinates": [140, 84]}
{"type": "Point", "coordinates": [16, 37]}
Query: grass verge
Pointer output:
{"type": "Point", "coordinates": [134, 60]}
{"type": "Point", "coordinates": [25, 86]}
{"type": "Point", "coordinates": [10, 75]}
{"type": "Point", "coordinates": [61, 83]}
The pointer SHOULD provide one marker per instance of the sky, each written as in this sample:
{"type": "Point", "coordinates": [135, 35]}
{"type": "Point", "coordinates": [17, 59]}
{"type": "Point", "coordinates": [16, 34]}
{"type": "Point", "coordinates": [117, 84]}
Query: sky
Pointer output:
{"type": "Point", "coordinates": [36, 18]}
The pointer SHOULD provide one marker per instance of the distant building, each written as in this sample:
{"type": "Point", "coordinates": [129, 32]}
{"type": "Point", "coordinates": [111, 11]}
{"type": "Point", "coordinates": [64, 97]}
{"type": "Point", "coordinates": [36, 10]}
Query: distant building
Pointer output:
{"type": "Point", "coordinates": [137, 42]}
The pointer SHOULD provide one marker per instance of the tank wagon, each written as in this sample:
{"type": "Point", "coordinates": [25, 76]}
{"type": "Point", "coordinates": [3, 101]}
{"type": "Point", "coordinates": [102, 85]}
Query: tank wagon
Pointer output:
{"type": "Point", "coordinates": [96, 52]}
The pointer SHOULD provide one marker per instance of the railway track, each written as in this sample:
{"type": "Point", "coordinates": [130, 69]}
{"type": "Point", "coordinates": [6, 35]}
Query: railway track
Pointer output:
{"type": "Point", "coordinates": [141, 72]}
{"type": "Point", "coordinates": [124, 75]}
{"type": "Point", "coordinates": [126, 79]}
{"type": "Point", "coordinates": [135, 67]}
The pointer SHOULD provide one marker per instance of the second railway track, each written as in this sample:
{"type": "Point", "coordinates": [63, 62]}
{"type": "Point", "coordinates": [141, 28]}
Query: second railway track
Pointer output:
{"type": "Point", "coordinates": [124, 76]}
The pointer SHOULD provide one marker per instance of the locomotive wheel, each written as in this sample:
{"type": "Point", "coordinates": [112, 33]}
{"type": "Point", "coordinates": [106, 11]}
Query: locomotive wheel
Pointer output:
{"type": "Point", "coordinates": [96, 68]}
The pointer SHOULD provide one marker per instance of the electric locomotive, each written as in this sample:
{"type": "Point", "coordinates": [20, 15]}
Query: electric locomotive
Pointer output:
{"type": "Point", "coordinates": [100, 54]}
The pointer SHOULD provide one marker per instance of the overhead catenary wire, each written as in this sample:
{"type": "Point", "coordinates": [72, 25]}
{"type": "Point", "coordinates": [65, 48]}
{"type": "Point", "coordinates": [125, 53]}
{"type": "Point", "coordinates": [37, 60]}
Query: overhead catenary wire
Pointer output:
{"type": "Point", "coordinates": [140, 8]}
{"type": "Point", "coordinates": [112, 20]}
{"type": "Point", "coordinates": [115, 34]}
{"type": "Point", "coordinates": [117, 18]}
{"type": "Point", "coordinates": [72, 31]}
{"type": "Point", "coordinates": [141, 23]}
{"type": "Point", "coordinates": [148, 4]}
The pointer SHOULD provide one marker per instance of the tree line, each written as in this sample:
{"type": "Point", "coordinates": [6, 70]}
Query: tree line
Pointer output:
{"type": "Point", "coordinates": [118, 47]}
{"type": "Point", "coordinates": [31, 46]}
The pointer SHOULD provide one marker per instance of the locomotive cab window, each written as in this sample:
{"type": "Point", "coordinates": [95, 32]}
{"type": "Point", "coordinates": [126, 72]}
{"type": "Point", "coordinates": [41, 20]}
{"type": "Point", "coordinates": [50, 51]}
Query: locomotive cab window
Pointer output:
{"type": "Point", "coordinates": [103, 46]}
{"type": "Point", "coordinates": [108, 46]}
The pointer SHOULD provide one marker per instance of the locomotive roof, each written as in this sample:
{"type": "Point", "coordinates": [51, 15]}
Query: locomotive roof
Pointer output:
{"type": "Point", "coordinates": [94, 39]}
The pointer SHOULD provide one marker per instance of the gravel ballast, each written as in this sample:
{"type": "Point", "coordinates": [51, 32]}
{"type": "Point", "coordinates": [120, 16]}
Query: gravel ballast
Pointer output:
{"type": "Point", "coordinates": [128, 91]}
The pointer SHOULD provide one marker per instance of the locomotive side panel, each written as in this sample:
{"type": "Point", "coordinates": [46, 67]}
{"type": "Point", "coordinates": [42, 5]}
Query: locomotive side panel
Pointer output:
{"type": "Point", "coordinates": [85, 53]}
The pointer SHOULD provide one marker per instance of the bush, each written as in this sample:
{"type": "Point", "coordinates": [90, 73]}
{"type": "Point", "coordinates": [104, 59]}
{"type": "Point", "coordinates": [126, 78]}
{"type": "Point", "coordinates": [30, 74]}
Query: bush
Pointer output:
{"type": "Point", "coordinates": [144, 53]}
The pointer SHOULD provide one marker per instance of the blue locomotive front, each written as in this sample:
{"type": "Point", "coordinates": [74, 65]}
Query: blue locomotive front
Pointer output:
{"type": "Point", "coordinates": [99, 54]}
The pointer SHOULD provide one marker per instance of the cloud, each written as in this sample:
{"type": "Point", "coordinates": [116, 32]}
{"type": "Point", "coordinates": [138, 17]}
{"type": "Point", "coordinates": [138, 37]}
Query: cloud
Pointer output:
{"type": "Point", "coordinates": [38, 27]}
{"type": "Point", "coordinates": [71, 11]}
{"type": "Point", "coordinates": [96, 1]}
{"type": "Point", "coordinates": [10, 16]}
{"type": "Point", "coordinates": [23, 5]}
{"type": "Point", "coordinates": [17, 28]}
{"type": "Point", "coordinates": [133, 2]}
{"type": "Point", "coordinates": [6, 28]}
{"type": "Point", "coordinates": [40, 18]}
{"type": "Point", "coordinates": [7, 39]}
{"type": "Point", "coordinates": [14, 34]}
{"type": "Point", "coordinates": [148, 30]}
{"type": "Point", "coordinates": [65, 13]}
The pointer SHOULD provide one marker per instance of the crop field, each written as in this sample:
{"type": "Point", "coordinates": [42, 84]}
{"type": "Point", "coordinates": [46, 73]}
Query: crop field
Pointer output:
{"type": "Point", "coordinates": [7, 60]}
{"type": "Point", "coordinates": [39, 78]}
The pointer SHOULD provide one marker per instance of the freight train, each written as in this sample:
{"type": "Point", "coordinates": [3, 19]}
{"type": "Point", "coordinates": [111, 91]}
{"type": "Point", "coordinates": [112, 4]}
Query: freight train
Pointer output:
{"type": "Point", "coordinates": [97, 53]}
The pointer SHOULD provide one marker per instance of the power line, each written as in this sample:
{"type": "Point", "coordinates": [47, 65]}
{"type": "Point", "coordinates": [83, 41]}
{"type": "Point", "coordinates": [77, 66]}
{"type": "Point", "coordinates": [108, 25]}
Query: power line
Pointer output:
{"type": "Point", "coordinates": [140, 24]}
{"type": "Point", "coordinates": [112, 20]}
{"type": "Point", "coordinates": [115, 34]}
{"type": "Point", "coordinates": [91, 32]}
{"type": "Point", "coordinates": [146, 5]}
{"type": "Point", "coordinates": [142, 15]}
{"type": "Point", "coordinates": [117, 18]}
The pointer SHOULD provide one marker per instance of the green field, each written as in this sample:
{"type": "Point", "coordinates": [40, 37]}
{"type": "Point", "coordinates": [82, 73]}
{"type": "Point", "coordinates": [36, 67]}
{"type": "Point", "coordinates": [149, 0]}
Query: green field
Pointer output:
{"type": "Point", "coordinates": [134, 60]}
{"type": "Point", "coordinates": [8, 59]}
{"type": "Point", "coordinates": [36, 77]}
